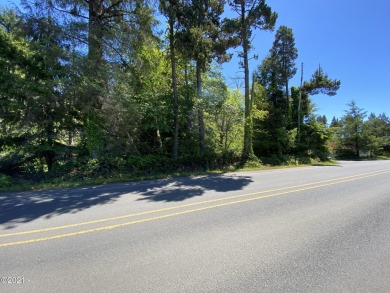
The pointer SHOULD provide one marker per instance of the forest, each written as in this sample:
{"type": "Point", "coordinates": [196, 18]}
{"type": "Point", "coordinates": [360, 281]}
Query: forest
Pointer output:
{"type": "Point", "coordinates": [118, 88]}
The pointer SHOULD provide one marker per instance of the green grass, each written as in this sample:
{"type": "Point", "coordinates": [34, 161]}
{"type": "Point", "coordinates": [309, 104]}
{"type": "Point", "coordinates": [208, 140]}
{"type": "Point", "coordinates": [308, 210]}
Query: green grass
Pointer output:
{"type": "Point", "coordinates": [23, 185]}
{"type": "Point", "coordinates": [12, 184]}
{"type": "Point", "coordinates": [92, 176]}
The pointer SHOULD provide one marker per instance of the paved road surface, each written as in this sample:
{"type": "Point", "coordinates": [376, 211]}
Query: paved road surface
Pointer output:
{"type": "Point", "coordinates": [312, 229]}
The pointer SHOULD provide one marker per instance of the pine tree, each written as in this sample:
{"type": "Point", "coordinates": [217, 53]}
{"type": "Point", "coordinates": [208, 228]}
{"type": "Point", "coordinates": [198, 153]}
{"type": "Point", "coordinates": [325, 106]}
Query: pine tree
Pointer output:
{"type": "Point", "coordinates": [352, 131]}
{"type": "Point", "coordinates": [283, 54]}
{"type": "Point", "coordinates": [320, 83]}
{"type": "Point", "coordinates": [201, 41]}
{"type": "Point", "coordinates": [172, 9]}
{"type": "Point", "coordinates": [252, 14]}
{"type": "Point", "coordinates": [36, 71]}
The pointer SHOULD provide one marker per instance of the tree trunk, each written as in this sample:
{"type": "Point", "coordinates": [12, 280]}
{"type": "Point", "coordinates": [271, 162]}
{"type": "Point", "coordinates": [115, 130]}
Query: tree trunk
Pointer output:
{"type": "Point", "coordinates": [158, 135]}
{"type": "Point", "coordinates": [95, 76]}
{"type": "Point", "coordinates": [188, 97]}
{"type": "Point", "coordinates": [95, 53]}
{"type": "Point", "coordinates": [357, 147]}
{"type": "Point", "coordinates": [299, 105]}
{"type": "Point", "coordinates": [248, 150]}
{"type": "Point", "coordinates": [174, 88]}
{"type": "Point", "coordinates": [199, 88]}
{"type": "Point", "coordinates": [49, 154]}
{"type": "Point", "coordinates": [288, 106]}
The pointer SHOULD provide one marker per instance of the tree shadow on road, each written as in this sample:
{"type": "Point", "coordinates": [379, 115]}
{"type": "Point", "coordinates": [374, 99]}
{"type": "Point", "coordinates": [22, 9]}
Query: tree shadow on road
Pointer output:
{"type": "Point", "coordinates": [184, 188]}
{"type": "Point", "coordinates": [22, 207]}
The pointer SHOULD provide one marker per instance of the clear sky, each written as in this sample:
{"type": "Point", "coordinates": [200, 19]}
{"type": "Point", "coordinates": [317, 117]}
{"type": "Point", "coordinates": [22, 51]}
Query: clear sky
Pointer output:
{"type": "Point", "coordinates": [351, 41]}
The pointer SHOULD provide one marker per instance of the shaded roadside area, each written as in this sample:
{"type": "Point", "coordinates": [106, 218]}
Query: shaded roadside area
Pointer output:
{"type": "Point", "coordinates": [22, 207]}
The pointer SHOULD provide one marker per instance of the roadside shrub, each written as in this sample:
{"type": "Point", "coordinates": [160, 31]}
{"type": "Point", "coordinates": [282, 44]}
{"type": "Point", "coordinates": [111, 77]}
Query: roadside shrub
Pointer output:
{"type": "Point", "coordinates": [290, 160]}
{"type": "Point", "coordinates": [273, 160]}
{"type": "Point", "coordinates": [5, 181]}
{"type": "Point", "coordinates": [149, 163]}
{"type": "Point", "coordinates": [112, 165]}
{"type": "Point", "coordinates": [189, 162]}
{"type": "Point", "coordinates": [304, 159]}
{"type": "Point", "coordinates": [321, 155]}
{"type": "Point", "coordinates": [209, 160]}
{"type": "Point", "coordinates": [228, 158]}
{"type": "Point", "coordinates": [345, 154]}
{"type": "Point", "coordinates": [252, 164]}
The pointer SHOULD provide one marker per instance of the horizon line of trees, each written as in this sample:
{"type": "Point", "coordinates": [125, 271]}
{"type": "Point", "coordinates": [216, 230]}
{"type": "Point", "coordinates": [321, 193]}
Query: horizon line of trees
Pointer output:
{"type": "Point", "coordinates": [93, 83]}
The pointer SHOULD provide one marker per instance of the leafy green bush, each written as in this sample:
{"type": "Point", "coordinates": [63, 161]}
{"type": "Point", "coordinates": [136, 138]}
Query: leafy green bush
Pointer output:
{"type": "Point", "coordinates": [209, 160]}
{"type": "Point", "coordinates": [192, 162]}
{"type": "Point", "coordinates": [5, 181]}
{"type": "Point", "coordinates": [229, 157]}
{"type": "Point", "coordinates": [303, 159]}
{"type": "Point", "coordinates": [345, 154]}
{"type": "Point", "coordinates": [273, 160]}
{"type": "Point", "coordinates": [149, 163]}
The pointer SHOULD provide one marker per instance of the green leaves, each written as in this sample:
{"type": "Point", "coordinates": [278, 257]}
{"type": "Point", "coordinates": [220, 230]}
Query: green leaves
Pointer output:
{"type": "Point", "coordinates": [283, 55]}
{"type": "Point", "coordinates": [84, 79]}
{"type": "Point", "coordinates": [320, 83]}
{"type": "Point", "coordinates": [252, 14]}
{"type": "Point", "coordinates": [352, 131]}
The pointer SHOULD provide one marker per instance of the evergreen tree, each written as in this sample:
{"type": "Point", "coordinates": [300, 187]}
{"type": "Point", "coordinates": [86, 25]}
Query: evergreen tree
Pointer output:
{"type": "Point", "coordinates": [201, 41]}
{"type": "Point", "coordinates": [283, 55]}
{"type": "Point", "coordinates": [36, 108]}
{"type": "Point", "coordinates": [252, 14]}
{"type": "Point", "coordinates": [320, 83]}
{"type": "Point", "coordinates": [104, 31]}
{"type": "Point", "coordinates": [376, 131]}
{"type": "Point", "coordinates": [172, 9]}
{"type": "Point", "coordinates": [274, 74]}
{"type": "Point", "coordinates": [322, 120]}
{"type": "Point", "coordinates": [335, 122]}
{"type": "Point", "coordinates": [352, 134]}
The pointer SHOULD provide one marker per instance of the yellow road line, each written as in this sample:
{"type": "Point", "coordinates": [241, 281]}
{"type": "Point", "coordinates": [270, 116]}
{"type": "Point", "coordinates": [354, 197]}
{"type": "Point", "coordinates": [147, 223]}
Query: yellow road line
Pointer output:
{"type": "Point", "coordinates": [183, 206]}
{"type": "Point", "coordinates": [185, 212]}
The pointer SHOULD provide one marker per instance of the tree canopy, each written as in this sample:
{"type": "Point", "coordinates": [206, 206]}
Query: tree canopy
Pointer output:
{"type": "Point", "coordinates": [101, 88]}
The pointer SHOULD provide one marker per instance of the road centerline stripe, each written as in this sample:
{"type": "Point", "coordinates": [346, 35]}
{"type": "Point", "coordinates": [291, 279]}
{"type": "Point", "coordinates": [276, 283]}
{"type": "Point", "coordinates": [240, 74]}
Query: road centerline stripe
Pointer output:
{"type": "Point", "coordinates": [184, 206]}
{"type": "Point", "coordinates": [367, 175]}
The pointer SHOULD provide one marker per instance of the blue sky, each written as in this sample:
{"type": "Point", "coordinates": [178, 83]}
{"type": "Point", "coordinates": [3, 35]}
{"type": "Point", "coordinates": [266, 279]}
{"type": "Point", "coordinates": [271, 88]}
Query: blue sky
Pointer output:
{"type": "Point", "coordinates": [351, 41]}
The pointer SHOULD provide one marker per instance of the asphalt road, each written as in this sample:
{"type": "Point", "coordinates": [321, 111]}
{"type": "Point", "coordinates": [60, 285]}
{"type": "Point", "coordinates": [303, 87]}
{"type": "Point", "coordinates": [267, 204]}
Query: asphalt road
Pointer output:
{"type": "Point", "coordinates": [312, 229]}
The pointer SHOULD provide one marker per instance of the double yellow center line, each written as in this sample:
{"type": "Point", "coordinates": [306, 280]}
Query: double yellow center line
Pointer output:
{"type": "Point", "coordinates": [225, 201]}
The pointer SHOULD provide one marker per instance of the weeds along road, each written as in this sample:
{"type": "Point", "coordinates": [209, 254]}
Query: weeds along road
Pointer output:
{"type": "Point", "coordinates": [312, 229]}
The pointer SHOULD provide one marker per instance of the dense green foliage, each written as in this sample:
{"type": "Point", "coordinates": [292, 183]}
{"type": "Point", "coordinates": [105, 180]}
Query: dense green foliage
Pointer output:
{"type": "Point", "coordinates": [355, 136]}
{"type": "Point", "coordinates": [93, 89]}
{"type": "Point", "coordinates": [251, 15]}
